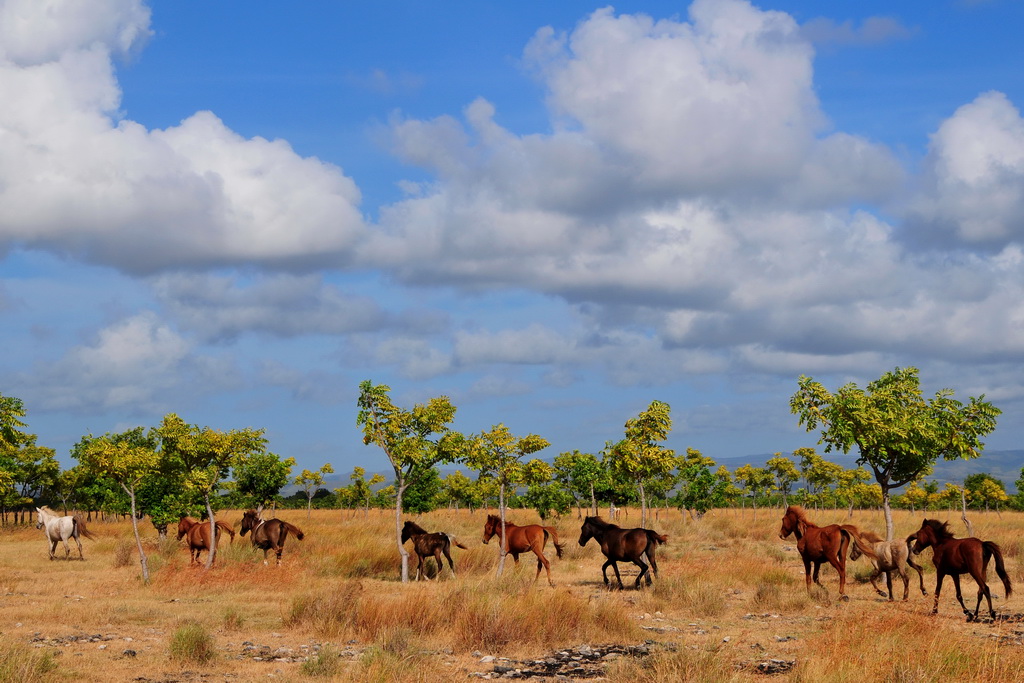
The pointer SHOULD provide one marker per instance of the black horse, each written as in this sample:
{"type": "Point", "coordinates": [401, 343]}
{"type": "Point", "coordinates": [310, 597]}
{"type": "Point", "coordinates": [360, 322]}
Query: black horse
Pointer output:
{"type": "Point", "coordinates": [623, 545]}
{"type": "Point", "coordinates": [268, 534]}
{"type": "Point", "coordinates": [428, 544]}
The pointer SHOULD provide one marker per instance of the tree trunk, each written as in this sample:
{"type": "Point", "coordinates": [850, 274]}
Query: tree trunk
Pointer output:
{"type": "Point", "coordinates": [398, 531]}
{"type": "Point", "coordinates": [643, 505]}
{"type": "Point", "coordinates": [138, 539]}
{"type": "Point", "coordinates": [213, 531]}
{"type": "Point", "coordinates": [963, 513]}
{"type": "Point", "coordinates": [887, 510]}
{"type": "Point", "coordinates": [593, 499]}
{"type": "Point", "coordinates": [501, 513]}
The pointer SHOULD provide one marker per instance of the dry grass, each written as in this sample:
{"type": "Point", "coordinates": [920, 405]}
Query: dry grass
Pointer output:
{"type": "Point", "coordinates": [730, 595]}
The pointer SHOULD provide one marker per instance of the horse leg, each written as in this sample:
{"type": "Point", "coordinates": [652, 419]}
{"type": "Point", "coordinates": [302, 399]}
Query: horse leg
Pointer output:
{"type": "Point", "coordinates": [604, 570]}
{"type": "Point", "coordinates": [874, 577]}
{"type": "Point", "coordinates": [888, 583]}
{"type": "Point", "coordinates": [905, 575]}
{"type": "Point", "coordinates": [543, 562]}
{"type": "Point", "coordinates": [53, 549]}
{"type": "Point", "coordinates": [618, 577]}
{"type": "Point", "coordinates": [920, 573]}
{"type": "Point", "coordinates": [79, 542]}
{"type": "Point", "coordinates": [643, 572]}
{"type": "Point", "coordinates": [959, 595]}
{"type": "Point", "coordinates": [439, 562]}
{"type": "Point", "coordinates": [807, 573]}
{"type": "Point", "coordinates": [654, 563]}
{"type": "Point", "coordinates": [983, 589]}
{"type": "Point", "coordinates": [839, 562]}
{"type": "Point", "coordinates": [67, 548]}
{"type": "Point", "coordinates": [451, 565]}
{"type": "Point", "coordinates": [939, 576]}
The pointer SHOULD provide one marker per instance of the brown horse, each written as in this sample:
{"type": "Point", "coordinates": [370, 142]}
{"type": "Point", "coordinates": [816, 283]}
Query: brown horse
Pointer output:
{"type": "Point", "coordinates": [893, 556]}
{"type": "Point", "coordinates": [817, 544]}
{"type": "Point", "coordinates": [268, 534]}
{"type": "Point", "coordinates": [428, 544]}
{"type": "Point", "coordinates": [198, 534]}
{"type": "Point", "coordinates": [520, 539]}
{"type": "Point", "coordinates": [956, 556]}
{"type": "Point", "coordinates": [623, 545]}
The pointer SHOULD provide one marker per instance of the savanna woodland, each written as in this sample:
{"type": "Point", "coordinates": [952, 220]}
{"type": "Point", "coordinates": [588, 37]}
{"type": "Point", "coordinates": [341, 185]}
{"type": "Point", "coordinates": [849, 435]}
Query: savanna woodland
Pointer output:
{"type": "Point", "coordinates": [131, 564]}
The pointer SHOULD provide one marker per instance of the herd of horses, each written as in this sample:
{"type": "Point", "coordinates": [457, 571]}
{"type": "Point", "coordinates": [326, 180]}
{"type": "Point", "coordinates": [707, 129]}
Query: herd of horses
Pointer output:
{"type": "Point", "coordinates": [951, 556]}
{"type": "Point", "coordinates": [816, 545]}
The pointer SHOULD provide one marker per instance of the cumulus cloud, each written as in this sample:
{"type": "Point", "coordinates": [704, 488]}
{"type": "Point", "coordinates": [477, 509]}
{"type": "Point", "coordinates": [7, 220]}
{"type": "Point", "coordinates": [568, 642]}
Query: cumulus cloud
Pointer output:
{"type": "Point", "coordinates": [972, 192]}
{"type": "Point", "coordinates": [870, 31]}
{"type": "Point", "coordinates": [137, 363]}
{"type": "Point", "coordinates": [79, 179]}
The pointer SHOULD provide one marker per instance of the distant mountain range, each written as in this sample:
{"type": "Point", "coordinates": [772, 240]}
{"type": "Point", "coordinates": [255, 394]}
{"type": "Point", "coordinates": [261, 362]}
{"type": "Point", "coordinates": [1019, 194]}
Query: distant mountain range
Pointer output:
{"type": "Point", "coordinates": [1003, 465]}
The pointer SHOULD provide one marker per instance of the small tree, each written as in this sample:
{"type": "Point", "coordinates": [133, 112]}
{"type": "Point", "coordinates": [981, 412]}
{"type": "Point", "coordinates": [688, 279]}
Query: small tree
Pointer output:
{"type": "Point", "coordinates": [639, 457]}
{"type": "Point", "coordinates": [898, 432]}
{"type": "Point", "coordinates": [785, 473]}
{"type": "Point", "coordinates": [261, 476]}
{"type": "Point", "coordinates": [309, 482]}
{"type": "Point", "coordinates": [755, 480]}
{"type": "Point", "coordinates": [414, 441]}
{"type": "Point", "coordinates": [499, 454]}
{"type": "Point", "coordinates": [579, 474]}
{"type": "Point", "coordinates": [127, 458]}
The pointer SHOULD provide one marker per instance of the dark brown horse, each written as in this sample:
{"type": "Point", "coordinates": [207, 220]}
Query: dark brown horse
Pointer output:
{"type": "Point", "coordinates": [819, 544]}
{"type": "Point", "coordinates": [893, 556]}
{"type": "Point", "coordinates": [520, 539]}
{"type": "Point", "coordinates": [198, 535]}
{"type": "Point", "coordinates": [428, 544]}
{"type": "Point", "coordinates": [268, 534]}
{"type": "Point", "coordinates": [956, 556]}
{"type": "Point", "coordinates": [623, 545]}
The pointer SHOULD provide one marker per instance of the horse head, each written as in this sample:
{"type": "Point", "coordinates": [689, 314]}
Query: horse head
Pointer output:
{"type": "Point", "coordinates": [491, 527]}
{"type": "Point", "coordinates": [250, 518]}
{"type": "Point", "coordinates": [925, 536]}
{"type": "Point", "coordinates": [793, 522]}
{"type": "Point", "coordinates": [40, 518]}
{"type": "Point", "coordinates": [590, 528]}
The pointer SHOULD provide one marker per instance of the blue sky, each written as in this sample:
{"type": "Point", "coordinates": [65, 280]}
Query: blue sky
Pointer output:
{"type": "Point", "coordinates": [553, 213]}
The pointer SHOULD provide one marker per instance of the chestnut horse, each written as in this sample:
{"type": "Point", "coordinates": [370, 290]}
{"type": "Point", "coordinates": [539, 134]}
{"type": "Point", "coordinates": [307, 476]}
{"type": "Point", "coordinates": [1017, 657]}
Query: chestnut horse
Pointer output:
{"type": "Point", "coordinates": [268, 534]}
{"type": "Point", "coordinates": [893, 556]}
{"type": "Point", "coordinates": [198, 534]}
{"type": "Point", "coordinates": [956, 556]}
{"type": "Point", "coordinates": [428, 544]}
{"type": "Point", "coordinates": [519, 539]}
{"type": "Point", "coordinates": [623, 545]}
{"type": "Point", "coordinates": [818, 544]}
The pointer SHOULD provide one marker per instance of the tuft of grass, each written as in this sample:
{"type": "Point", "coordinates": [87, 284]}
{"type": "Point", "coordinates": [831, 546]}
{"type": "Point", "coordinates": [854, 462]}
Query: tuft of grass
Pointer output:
{"type": "Point", "coordinates": [19, 664]}
{"type": "Point", "coordinates": [232, 619]}
{"type": "Point", "coordinates": [324, 664]}
{"type": "Point", "coordinates": [124, 552]}
{"type": "Point", "coordinates": [192, 643]}
{"type": "Point", "coordinates": [329, 614]}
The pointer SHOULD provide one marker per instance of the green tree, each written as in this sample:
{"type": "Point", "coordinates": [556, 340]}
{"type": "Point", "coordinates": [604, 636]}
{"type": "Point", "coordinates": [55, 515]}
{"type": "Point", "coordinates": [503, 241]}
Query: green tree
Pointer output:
{"type": "Point", "coordinates": [785, 473]}
{"type": "Point", "coordinates": [699, 489]}
{"type": "Point", "coordinates": [310, 481]}
{"type": "Point", "coordinates": [204, 456]}
{"type": "Point", "coordinates": [261, 476]}
{"type": "Point", "coordinates": [755, 480]}
{"type": "Point", "coordinates": [498, 454]}
{"type": "Point", "coordinates": [899, 433]}
{"type": "Point", "coordinates": [849, 487]}
{"type": "Point", "coordinates": [127, 458]}
{"type": "Point", "coordinates": [639, 457]}
{"type": "Point", "coordinates": [423, 495]}
{"type": "Point", "coordinates": [358, 493]}
{"type": "Point", "coordinates": [984, 490]}
{"type": "Point", "coordinates": [414, 441]}
{"type": "Point", "coordinates": [458, 489]}
{"type": "Point", "coordinates": [579, 474]}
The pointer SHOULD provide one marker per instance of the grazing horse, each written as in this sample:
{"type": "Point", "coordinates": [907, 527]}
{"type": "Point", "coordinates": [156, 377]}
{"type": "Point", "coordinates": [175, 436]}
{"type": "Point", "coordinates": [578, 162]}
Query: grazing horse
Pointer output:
{"type": "Point", "coordinates": [623, 545]}
{"type": "Point", "coordinates": [818, 544]}
{"type": "Point", "coordinates": [893, 556]}
{"type": "Point", "coordinates": [428, 544]}
{"type": "Point", "coordinates": [268, 534]}
{"type": "Point", "coordinates": [198, 534]}
{"type": "Point", "coordinates": [956, 556]}
{"type": "Point", "coordinates": [60, 529]}
{"type": "Point", "coordinates": [520, 539]}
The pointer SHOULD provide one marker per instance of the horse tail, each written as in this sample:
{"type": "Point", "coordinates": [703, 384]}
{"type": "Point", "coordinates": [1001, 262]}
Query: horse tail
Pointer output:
{"type": "Point", "coordinates": [862, 546]}
{"type": "Point", "coordinates": [293, 529]}
{"type": "Point", "coordinates": [550, 531]}
{"type": "Point", "coordinates": [990, 548]}
{"type": "Point", "coordinates": [656, 539]}
{"type": "Point", "coordinates": [456, 543]}
{"type": "Point", "coordinates": [80, 524]}
{"type": "Point", "coordinates": [227, 527]}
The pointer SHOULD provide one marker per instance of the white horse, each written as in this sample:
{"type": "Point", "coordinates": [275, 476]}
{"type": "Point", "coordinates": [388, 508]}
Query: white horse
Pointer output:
{"type": "Point", "coordinates": [60, 529]}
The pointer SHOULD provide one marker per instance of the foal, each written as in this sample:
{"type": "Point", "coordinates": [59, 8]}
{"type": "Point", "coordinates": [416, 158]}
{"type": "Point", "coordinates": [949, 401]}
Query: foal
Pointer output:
{"type": "Point", "coordinates": [818, 544]}
{"type": "Point", "coordinates": [893, 556]}
{"type": "Point", "coordinates": [428, 544]}
{"type": "Point", "coordinates": [956, 556]}
{"type": "Point", "coordinates": [198, 534]}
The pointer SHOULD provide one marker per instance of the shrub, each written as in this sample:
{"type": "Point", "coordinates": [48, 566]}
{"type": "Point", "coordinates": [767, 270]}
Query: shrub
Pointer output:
{"type": "Point", "coordinates": [191, 642]}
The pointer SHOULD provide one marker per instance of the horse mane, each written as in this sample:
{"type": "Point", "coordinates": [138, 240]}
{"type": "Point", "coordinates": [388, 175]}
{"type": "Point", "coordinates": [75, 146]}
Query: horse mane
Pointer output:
{"type": "Point", "coordinates": [799, 513]}
{"type": "Point", "coordinates": [414, 528]}
{"type": "Point", "coordinates": [940, 529]}
{"type": "Point", "coordinates": [599, 521]}
{"type": "Point", "coordinates": [47, 510]}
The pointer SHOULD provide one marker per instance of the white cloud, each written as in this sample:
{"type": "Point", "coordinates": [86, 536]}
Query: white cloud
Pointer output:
{"type": "Point", "coordinates": [871, 30]}
{"type": "Point", "coordinates": [80, 180]}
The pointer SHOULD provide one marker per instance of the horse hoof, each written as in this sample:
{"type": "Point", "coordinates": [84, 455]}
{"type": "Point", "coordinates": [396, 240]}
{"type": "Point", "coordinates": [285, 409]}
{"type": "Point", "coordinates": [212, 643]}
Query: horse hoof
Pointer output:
{"type": "Point", "coordinates": [883, 594]}
{"type": "Point", "coordinates": [844, 598]}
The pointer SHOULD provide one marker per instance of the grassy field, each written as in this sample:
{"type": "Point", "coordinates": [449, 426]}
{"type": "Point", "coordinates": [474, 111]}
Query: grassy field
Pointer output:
{"type": "Point", "coordinates": [730, 603]}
